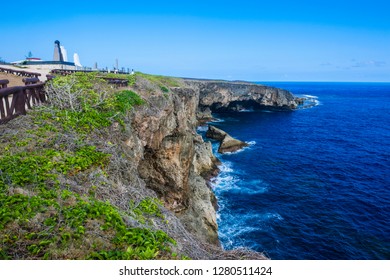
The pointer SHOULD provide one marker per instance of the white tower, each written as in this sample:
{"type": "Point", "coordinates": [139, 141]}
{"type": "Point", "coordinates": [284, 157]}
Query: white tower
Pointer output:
{"type": "Point", "coordinates": [76, 60]}
{"type": "Point", "coordinates": [64, 53]}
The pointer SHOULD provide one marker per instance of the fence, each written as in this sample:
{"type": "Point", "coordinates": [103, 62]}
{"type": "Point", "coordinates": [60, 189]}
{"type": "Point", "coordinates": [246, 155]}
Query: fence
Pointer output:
{"type": "Point", "coordinates": [20, 73]}
{"type": "Point", "coordinates": [116, 82]}
{"type": "Point", "coordinates": [68, 72]}
{"type": "Point", "coordinates": [15, 100]}
{"type": "Point", "coordinates": [30, 81]}
{"type": "Point", "coordinates": [3, 83]}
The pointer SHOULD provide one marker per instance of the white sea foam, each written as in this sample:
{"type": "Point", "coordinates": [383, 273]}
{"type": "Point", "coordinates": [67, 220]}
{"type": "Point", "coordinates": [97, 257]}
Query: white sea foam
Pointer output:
{"type": "Point", "coordinates": [202, 128]}
{"type": "Point", "coordinates": [236, 186]}
{"type": "Point", "coordinates": [235, 226]}
{"type": "Point", "coordinates": [216, 121]}
{"type": "Point", "coordinates": [235, 152]}
{"type": "Point", "coordinates": [261, 217]}
{"type": "Point", "coordinates": [251, 143]}
{"type": "Point", "coordinates": [309, 102]}
{"type": "Point", "coordinates": [224, 184]}
{"type": "Point", "coordinates": [317, 102]}
{"type": "Point", "coordinates": [248, 191]}
{"type": "Point", "coordinates": [226, 167]}
{"type": "Point", "coordinates": [310, 96]}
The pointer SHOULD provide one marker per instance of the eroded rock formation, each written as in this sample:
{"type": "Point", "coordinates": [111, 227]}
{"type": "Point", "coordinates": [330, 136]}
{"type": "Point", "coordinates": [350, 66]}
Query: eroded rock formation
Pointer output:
{"type": "Point", "coordinates": [227, 142]}
{"type": "Point", "coordinates": [237, 96]}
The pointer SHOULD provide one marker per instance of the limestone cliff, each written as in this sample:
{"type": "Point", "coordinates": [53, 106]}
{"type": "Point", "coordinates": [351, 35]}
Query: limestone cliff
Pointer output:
{"type": "Point", "coordinates": [237, 96]}
{"type": "Point", "coordinates": [175, 160]}
{"type": "Point", "coordinates": [175, 157]}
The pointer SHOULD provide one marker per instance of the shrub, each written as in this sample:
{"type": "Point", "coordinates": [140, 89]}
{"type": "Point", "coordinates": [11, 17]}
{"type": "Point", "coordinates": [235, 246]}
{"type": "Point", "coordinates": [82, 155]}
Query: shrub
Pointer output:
{"type": "Point", "coordinates": [85, 102]}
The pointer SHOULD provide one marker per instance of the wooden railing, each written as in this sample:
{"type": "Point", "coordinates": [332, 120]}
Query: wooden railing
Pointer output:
{"type": "Point", "coordinates": [31, 81]}
{"type": "Point", "coordinates": [35, 95]}
{"type": "Point", "coordinates": [69, 72]}
{"type": "Point", "coordinates": [50, 77]}
{"type": "Point", "coordinates": [4, 83]}
{"type": "Point", "coordinates": [116, 81]}
{"type": "Point", "coordinates": [12, 103]}
{"type": "Point", "coordinates": [15, 100]}
{"type": "Point", "coordinates": [20, 73]}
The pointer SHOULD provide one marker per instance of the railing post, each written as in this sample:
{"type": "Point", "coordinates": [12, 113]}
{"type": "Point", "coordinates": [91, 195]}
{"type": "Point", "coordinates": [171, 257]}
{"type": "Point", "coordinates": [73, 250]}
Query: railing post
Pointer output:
{"type": "Point", "coordinates": [4, 83]}
{"type": "Point", "coordinates": [18, 103]}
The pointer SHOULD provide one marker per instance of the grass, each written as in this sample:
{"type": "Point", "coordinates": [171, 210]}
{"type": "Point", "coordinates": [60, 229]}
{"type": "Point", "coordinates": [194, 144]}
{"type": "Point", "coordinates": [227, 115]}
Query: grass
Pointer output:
{"type": "Point", "coordinates": [163, 81]}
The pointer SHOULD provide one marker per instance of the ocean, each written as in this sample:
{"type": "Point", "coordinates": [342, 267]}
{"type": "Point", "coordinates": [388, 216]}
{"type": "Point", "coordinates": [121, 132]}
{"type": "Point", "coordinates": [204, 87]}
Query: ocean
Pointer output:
{"type": "Point", "coordinates": [314, 183]}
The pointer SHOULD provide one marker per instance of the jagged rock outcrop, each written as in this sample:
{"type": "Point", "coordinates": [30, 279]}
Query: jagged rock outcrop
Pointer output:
{"type": "Point", "coordinates": [237, 96]}
{"type": "Point", "coordinates": [227, 143]}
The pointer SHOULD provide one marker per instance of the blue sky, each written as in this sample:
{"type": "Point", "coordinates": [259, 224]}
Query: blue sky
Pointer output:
{"type": "Point", "coordinates": [247, 40]}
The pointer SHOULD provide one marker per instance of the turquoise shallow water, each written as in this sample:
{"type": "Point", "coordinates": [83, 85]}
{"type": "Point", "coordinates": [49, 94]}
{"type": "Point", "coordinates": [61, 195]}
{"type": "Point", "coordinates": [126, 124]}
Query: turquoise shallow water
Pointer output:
{"type": "Point", "coordinates": [314, 183]}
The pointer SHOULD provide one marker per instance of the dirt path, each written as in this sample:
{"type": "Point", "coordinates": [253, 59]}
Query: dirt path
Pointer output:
{"type": "Point", "coordinates": [13, 80]}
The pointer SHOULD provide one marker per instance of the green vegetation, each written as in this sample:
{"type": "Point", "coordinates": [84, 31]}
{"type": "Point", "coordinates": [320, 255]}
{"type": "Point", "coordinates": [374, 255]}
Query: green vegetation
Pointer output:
{"type": "Point", "coordinates": [163, 81]}
{"type": "Point", "coordinates": [49, 205]}
{"type": "Point", "coordinates": [130, 78]}
{"type": "Point", "coordinates": [61, 224]}
{"type": "Point", "coordinates": [85, 102]}
{"type": "Point", "coordinates": [146, 209]}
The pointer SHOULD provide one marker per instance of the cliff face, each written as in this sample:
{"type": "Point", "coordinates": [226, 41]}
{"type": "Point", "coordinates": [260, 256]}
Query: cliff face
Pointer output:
{"type": "Point", "coordinates": [175, 160]}
{"type": "Point", "coordinates": [174, 157]}
{"type": "Point", "coordinates": [236, 96]}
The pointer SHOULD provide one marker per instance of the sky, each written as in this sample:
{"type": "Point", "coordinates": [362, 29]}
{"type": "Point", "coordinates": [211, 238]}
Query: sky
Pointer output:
{"type": "Point", "coordinates": [233, 40]}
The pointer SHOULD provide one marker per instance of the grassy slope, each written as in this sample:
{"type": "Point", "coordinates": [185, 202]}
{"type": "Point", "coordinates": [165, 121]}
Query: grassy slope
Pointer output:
{"type": "Point", "coordinates": [57, 180]}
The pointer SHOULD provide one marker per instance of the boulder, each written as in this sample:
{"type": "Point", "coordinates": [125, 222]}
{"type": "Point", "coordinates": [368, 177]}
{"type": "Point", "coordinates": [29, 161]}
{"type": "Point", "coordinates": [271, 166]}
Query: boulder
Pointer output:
{"type": "Point", "coordinates": [227, 144]}
{"type": "Point", "coordinates": [230, 144]}
{"type": "Point", "coordinates": [215, 133]}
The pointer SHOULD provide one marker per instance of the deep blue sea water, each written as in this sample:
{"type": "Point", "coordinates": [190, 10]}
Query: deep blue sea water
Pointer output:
{"type": "Point", "coordinates": [314, 183]}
